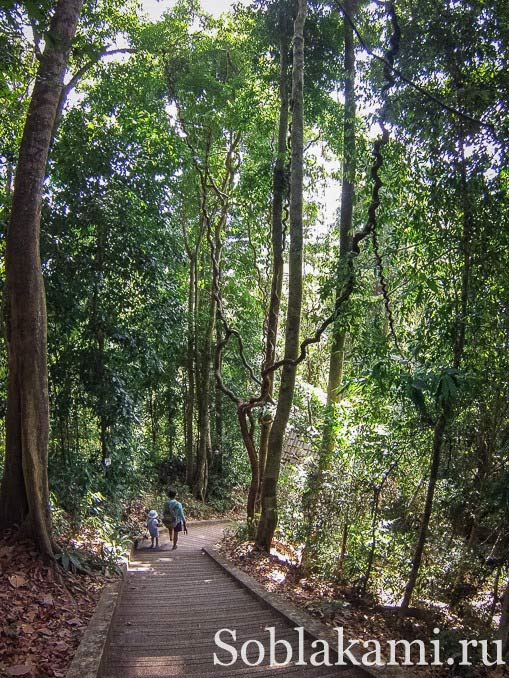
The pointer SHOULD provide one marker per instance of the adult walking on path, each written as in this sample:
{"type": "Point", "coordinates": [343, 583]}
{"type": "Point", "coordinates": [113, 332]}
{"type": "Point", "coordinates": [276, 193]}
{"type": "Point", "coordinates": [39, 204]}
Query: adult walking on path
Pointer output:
{"type": "Point", "coordinates": [174, 603]}
{"type": "Point", "coordinates": [173, 517]}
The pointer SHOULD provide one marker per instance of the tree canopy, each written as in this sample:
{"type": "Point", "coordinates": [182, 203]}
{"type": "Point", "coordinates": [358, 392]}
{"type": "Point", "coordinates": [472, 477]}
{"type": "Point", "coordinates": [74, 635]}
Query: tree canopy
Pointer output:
{"type": "Point", "coordinates": [285, 223]}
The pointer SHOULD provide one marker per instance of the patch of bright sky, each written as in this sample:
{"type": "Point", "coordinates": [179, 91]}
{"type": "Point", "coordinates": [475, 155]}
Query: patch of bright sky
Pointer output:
{"type": "Point", "coordinates": [154, 9]}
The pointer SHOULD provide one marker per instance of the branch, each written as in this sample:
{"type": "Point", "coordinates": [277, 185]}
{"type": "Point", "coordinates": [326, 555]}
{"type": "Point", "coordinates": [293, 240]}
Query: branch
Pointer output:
{"type": "Point", "coordinates": [37, 40]}
{"type": "Point", "coordinates": [204, 175]}
{"type": "Point", "coordinates": [313, 141]}
{"type": "Point", "coordinates": [66, 89]}
{"type": "Point", "coordinates": [218, 374]}
{"type": "Point", "coordinates": [223, 197]}
{"type": "Point", "coordinates": [408, 81]}
{"type": "Point", "coordinates": [93, 62]}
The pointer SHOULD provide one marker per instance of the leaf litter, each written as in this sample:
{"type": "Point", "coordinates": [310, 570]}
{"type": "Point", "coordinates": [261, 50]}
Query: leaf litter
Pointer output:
{"type": "Point", "coordinates": [42, 616]}
{"type": "Point", "coordinates": [336, 605]}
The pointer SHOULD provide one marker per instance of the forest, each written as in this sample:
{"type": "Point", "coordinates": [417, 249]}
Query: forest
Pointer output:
{"type": "Point", "coordinates": [263, 256]}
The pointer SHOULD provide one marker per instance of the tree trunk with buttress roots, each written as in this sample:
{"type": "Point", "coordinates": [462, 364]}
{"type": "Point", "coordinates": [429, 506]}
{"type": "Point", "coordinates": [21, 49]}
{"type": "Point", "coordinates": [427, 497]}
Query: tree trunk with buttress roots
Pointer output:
{"type": "Point", "coordinates": [268, 518]}
{"type": "Point", "coordinates": [24, 494]}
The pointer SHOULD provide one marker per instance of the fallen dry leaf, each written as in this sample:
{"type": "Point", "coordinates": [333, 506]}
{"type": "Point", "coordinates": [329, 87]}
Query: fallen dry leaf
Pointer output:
{"type": "Point", "coordinates": [19, 670]}
{"type": "Point", "coordinates": [16, 581]}
{"type": "Point", "coordinates": [47, 599]}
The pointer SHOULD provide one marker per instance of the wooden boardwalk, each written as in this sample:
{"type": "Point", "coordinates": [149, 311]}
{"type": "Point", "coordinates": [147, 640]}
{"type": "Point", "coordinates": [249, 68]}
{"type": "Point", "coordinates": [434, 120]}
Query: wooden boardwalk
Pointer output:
{"type": "Point", "coordinates": [172, 605]}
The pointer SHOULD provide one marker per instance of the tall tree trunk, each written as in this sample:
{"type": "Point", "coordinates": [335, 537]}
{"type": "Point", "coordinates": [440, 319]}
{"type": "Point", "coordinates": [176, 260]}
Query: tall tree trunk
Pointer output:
{"type": "Point", "coordinates": [97, 326]}
{"type": "Point", "coordinates": [153, 419]}
{"type": "Point", "coordinates": [24, 495]}
{"type": "Point", "coordinates": [268, 518]}
{"type": "Point", "coordinates": [278, 195]}
{"type": "Point", "coordinates": [338, 332]}
{"type": "Point", "coordinates": [100, 381]}
{"type": "Point", "coordinates": [203, 369]}
{"type": "Point", "coordinates": [218, 407]}
{"type": "Point", "coordinates": [103, 426]}
{"type": "Point", "coordinates": [428, 507]}
{"type": "Point", "coordinates": [190, 365]}
{"type": "Point", "coordinates": [205, 440]}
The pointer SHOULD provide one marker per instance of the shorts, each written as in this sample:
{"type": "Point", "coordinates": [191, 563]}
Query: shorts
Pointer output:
{"type": "Point", "coordinates": [178, 527]}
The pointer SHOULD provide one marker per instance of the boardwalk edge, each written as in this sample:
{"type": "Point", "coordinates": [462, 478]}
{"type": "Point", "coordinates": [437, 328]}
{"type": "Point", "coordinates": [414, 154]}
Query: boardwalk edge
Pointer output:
{"type": "Point", "coordinates": [297, 617]}
{"type": "Point", "coordinates": [90, 657]}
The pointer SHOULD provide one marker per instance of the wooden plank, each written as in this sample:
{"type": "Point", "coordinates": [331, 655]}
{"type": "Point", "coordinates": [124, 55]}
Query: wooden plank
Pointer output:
{"type": "Point", "coordinates": [173, 604]}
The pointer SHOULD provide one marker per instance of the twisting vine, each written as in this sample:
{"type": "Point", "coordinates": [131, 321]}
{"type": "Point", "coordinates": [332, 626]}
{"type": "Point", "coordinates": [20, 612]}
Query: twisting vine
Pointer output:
{"type": "Point", "coordinates": [223, 196]}
{"type": "Point", "coordinates": [371, 223]}
{"type": "Point", "coordinates": [422, 90]}
{"type": "Point", "coordinates": [229, 331]}
{"type": "Point", "coordinates": [368, 230]}
{"type": "Point", "coordinates": [388, 63]}
{"type": "Point", "coordinates": [244, 409]}
{"type": "Point", "coordinates": [287, 180]}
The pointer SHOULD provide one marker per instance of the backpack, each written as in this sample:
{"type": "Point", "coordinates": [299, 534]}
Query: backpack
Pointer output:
{"type": "Point", "coordinates": [169, 513]}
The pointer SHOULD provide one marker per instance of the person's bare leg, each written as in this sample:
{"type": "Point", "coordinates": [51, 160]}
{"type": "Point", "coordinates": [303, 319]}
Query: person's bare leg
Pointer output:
{"type": "Point", "coordinates": [175, 539]}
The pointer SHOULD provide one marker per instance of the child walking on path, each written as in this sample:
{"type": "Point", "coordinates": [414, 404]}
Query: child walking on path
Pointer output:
{"type": "Point", "coordinates": [152, 525]}
{"type": "Point", "coordinates": [173, 517]}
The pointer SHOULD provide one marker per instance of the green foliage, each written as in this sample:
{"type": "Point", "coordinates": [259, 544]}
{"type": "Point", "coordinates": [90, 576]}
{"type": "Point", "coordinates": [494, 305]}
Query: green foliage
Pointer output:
{"type": "Point", "coordinates": [122, 195]}
{"type": "Point", "coordinates": [71, 560]}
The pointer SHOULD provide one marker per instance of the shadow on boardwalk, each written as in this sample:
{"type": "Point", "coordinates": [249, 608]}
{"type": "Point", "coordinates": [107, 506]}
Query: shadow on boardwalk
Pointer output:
{"type": "Point", "coordinates": [173, 604]}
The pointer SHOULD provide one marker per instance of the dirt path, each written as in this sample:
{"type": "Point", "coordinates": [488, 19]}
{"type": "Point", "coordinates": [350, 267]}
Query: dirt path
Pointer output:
{"type": "Point", "coordinates": [173, 604]}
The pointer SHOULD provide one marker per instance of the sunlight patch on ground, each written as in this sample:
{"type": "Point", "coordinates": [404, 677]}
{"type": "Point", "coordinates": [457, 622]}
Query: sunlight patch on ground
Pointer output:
{"type": "Point", "coordinates": [277, 576]}
{"type": "Point", "coordinates": [175, 661]}
{"type": "Point", "coordinates": [139, 568]}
